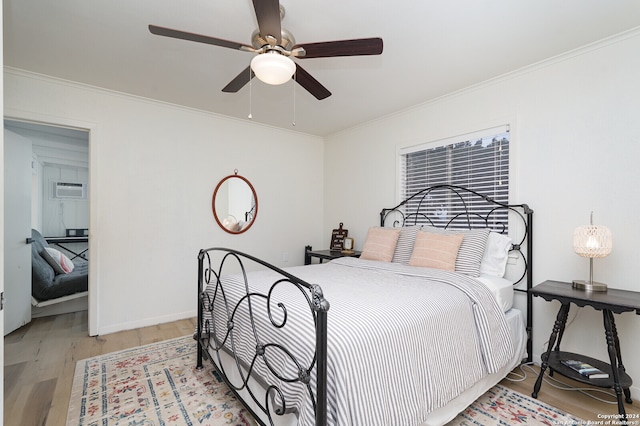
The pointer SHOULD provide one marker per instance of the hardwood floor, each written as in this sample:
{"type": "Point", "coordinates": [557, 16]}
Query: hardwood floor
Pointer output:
{"type": "Point", "coordinates": [40, 360]}
{"type": "Point", "coordinates": [572, 401]}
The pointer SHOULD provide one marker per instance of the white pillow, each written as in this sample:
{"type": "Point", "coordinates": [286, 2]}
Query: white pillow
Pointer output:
{"type": "Point", "coordinates": [494, 260]}
{"type": "Point", "coordinates": [60, 263]}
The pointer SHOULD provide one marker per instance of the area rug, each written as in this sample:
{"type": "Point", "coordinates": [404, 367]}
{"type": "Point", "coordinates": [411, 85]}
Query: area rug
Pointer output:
{"type": "Point", "coordinates": [503, 406]}
{"type": "Point", "coordinates": [158, 384]}
{"type": "Point", "coordinates": [152, 385]}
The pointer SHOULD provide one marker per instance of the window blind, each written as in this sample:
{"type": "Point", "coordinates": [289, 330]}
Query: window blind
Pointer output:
{"type": "Point", "coordinates": [477, 161]}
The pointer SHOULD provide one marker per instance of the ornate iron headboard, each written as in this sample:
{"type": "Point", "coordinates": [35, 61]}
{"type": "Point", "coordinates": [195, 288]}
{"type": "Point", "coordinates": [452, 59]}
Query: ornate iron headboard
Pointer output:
{"type": "Point", "coordinates": [455, 207]}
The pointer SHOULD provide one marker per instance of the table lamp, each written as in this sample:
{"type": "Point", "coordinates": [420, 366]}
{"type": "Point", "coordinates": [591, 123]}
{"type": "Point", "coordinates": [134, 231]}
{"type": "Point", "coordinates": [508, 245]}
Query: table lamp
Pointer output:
{"type": "Point", "coordinates": [591, 241]}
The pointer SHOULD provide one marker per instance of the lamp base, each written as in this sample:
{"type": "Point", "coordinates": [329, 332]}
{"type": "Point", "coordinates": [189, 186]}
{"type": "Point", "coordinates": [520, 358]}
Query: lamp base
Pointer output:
{"type": "Point", "coordinates": [589, 285]}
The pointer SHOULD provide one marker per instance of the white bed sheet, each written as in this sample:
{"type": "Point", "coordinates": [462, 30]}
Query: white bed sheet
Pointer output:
{"type": "Point", "coordinates": [501, 288]}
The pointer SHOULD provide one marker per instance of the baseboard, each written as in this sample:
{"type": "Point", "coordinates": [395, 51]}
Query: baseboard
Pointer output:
{"type": "Point", "coordinates": [147, 322]}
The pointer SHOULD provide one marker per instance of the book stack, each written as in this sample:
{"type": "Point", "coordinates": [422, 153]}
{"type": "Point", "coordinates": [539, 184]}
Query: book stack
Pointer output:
{"type": "Point", "coordinates": [585, 369]}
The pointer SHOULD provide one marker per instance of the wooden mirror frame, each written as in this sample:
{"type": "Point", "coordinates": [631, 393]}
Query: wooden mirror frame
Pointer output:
{"type": "Point", "coordinates": [248, 224]}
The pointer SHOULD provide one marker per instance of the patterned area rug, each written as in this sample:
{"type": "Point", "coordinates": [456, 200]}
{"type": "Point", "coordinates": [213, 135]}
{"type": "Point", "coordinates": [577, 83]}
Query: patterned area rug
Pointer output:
{"type": "Point", "coordinates": [503, 406]}
{"type": "Point", "coordinates": [152, 385]}
{"type": "Point", "coordinates": [158, 384]}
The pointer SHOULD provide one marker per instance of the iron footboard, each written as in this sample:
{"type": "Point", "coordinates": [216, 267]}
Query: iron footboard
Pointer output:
{"type": "Point", "coordinates": [224, 313]}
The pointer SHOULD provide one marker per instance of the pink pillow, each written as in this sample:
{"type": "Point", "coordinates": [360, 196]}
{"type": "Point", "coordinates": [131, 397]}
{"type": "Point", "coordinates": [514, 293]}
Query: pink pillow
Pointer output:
{"type": "Point", "coordinates": [436, 250]}
{"type": "Point", "coordinates": [380, 244]}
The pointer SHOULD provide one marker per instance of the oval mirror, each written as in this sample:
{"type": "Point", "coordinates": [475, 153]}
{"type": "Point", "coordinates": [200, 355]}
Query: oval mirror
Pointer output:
{"type": "Point", "coordinates": [235, 204]}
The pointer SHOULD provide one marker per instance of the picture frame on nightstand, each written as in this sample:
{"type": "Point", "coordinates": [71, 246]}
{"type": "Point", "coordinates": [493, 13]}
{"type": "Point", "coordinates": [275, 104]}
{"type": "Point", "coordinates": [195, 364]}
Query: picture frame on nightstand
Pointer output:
{"type": "Point", "coordinates": [347, 246]}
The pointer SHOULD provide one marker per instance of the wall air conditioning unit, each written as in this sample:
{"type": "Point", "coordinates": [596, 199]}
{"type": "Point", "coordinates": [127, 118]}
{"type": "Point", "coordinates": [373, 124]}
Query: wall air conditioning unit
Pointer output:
{"type": "Point", "coordinates": [69, 190]}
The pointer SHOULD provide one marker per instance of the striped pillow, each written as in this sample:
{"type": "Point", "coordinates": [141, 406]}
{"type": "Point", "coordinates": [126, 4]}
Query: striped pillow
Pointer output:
{"type": "Point", "coordinates": [380, 244]}
{"type": "Point", "coordinates": [404, 248]}
{"type": "Point", "coordinates": [436, 250]}
{"type": "Point", "coordinates": [471, 250]}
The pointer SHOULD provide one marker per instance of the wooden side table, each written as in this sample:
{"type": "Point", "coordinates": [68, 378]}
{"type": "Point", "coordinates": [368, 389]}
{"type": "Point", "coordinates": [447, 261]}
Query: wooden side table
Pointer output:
{"type": "Point", "coordinates": [326, 254]}
{"type": "Point", "coordinates": [610, 302]}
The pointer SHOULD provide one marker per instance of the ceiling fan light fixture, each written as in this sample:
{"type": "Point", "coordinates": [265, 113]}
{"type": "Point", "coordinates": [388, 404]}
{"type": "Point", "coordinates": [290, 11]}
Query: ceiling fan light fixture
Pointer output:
{"type": "Point", "coordinates": [273, 67]}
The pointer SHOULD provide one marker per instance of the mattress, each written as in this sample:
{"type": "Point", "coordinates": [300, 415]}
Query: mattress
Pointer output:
{"type": "Point", "coordinates": [502, 290]}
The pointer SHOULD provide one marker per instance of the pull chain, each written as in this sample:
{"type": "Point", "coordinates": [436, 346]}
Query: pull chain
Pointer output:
{"type": "Point", "coordinates": [295, 76]}
{"type": "Point", "coordinates": [250, 99]}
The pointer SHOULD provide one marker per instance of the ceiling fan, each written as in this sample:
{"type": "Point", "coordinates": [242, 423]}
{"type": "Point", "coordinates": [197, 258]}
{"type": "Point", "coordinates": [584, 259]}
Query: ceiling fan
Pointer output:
{"type": "Point", "coordinates": [275, 46]}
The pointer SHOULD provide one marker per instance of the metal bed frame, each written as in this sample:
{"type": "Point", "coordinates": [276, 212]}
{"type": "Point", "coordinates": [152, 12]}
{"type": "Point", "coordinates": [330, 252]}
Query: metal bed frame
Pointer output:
{"type": "Point", "coordinates": [214, 337]}
{"type": "Point", "coordinates": [462, 215]}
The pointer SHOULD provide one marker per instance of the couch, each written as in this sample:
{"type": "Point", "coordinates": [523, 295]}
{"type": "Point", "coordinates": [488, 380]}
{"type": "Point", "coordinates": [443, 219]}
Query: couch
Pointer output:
{"type": "Point", "coordinates": [46, 283]}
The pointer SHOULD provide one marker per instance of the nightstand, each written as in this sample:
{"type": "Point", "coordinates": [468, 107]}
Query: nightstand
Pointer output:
{"type": "Point", "coordinates": [610, 302]}
{"type": "Point", "coordinates": [326, 254]}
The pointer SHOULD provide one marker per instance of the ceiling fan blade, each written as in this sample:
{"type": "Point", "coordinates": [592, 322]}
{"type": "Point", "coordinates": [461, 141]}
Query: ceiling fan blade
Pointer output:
{"type": "Point", "coordinates": [356, 47]}
{"type": "Point", "coordinates": [241, 79]}
{"type": "Point", "coordinates": [268, 15]}
{"type": "Point", "coordinates": [312, 85]}
{"type": "Point", "coordinates": [168, 32]}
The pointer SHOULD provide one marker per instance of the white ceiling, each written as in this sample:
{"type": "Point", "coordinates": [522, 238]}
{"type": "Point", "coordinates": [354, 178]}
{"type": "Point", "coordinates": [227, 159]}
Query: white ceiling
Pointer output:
{"type": "Point", "coordinates": [431, 48]}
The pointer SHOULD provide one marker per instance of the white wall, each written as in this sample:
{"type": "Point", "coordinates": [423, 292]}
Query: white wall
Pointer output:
{"type": "Point", "coordinates": [153, 169]}
{"type": "Point", "coordinates": [576, 142]}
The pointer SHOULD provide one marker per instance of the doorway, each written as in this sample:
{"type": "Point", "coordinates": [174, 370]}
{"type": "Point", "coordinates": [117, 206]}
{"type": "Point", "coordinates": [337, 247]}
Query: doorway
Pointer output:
{"type": "Point", "coordinates": [59, 197]}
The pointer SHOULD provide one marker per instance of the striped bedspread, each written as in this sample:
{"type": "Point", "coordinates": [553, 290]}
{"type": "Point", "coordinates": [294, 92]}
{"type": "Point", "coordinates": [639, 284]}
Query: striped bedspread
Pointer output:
{"type": "Point", "coordinates": [402, 341]}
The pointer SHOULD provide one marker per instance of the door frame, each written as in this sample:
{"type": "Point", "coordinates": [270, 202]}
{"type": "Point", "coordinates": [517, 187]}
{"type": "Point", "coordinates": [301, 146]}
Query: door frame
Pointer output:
{"type": "Point", "coordinates": [92, 129]}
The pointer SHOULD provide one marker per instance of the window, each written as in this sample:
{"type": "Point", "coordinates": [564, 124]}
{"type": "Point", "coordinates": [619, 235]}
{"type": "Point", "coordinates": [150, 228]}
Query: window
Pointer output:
{"type": "Point", "coordinates": [478, 161]}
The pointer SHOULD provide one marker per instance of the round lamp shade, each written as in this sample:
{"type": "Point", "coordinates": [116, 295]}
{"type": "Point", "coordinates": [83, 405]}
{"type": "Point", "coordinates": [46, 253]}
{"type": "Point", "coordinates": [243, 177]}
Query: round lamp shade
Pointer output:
{"type": "Point", "coordinates": [273, 68]}
{"type": "Point", "coordinates": [592, 241]}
